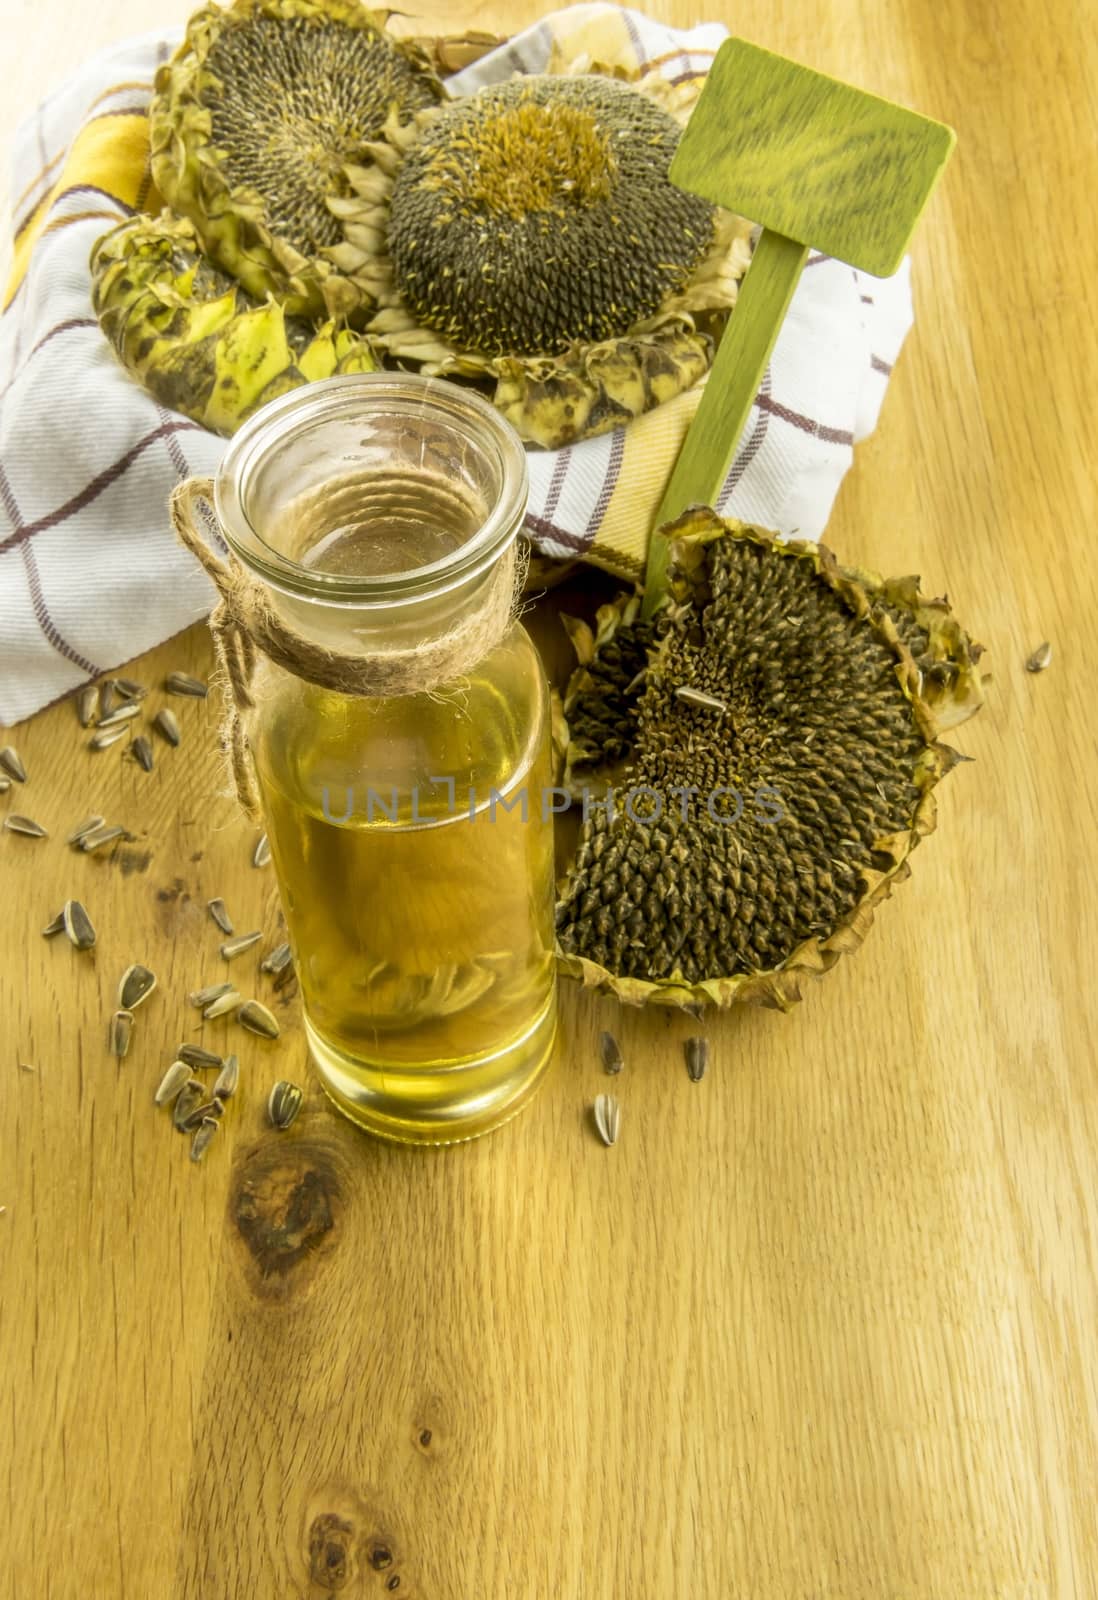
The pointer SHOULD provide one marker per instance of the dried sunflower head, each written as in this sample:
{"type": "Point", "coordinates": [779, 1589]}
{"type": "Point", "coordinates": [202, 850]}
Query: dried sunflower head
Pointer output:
{"type": "Point", "coordinates": [194, 337]}
{"type": "Point", "coordinates": [772, 752]}
{"type": "Point", "coordinates": [252, 123]}
{"type": "Point", "coordinates": [529, 235]}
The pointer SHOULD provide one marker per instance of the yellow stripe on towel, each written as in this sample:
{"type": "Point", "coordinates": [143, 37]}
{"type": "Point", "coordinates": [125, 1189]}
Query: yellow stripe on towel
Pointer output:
{"type": "Point", "coordinates": [110, 153]}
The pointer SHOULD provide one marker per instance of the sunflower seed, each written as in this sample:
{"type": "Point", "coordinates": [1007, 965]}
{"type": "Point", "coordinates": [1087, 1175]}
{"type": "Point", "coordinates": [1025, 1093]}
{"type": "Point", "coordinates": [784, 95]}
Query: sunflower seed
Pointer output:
{"type": "Point", "coordinates": [261, 855]}
{"type": "Point", "coordinates": [696, 1051]}
{"type": "Point", "coordinates": [171, 1083]}
{"type": "Point", "coordinates": [88, 825]}
{"type": "Point", "coordinates": [25, 1066]}
{"type": "Point", "coordinates": [607, 1118]}
{"type": "Point", "coordinates": [78, 925]}
{"type": "Point", "coordinates": [9, 760]}
{"type": "Point", "coordinates": [86, 702]}
{"type": "Point", "coordinates": [128, 689]}
{"type": "Point", "coordinates": [5, 785]}
{"type": "Point", "coordinates": [123, 713]}
{"type": "Point", "coordinates": [55, 926]}
{"type": "Point", "coordinates": [206, 997]}
{"type": "Point", "coordinates": [217, 911]}
{"type": "Point", "coordinates": [182, 683]}
{"type": "Point", "coordinates": [257, 1019]}
{"type": "Point", "coordinates": [279, 958]}
{"type": "Point", "coordinates": [106, 698]}
{"type": "Point", "coordinates": [638, 682]}
{"type": "Point", "coordinates": [195, 1056]}
{"type": "Point", "coordinates": [121, 1033]}
{"type": "Point", "coordinates": [610, 1051]}
{"type": "Point", "coordinates": [243, 941]}
{"type": "Point", "coordinates": [142, 752]}
{"type": "Point", "coordinates": [206, 1108]}
{"type": "Point", "coordinates": [137, 984]}
{"type": "Point", "coordinates": [287, 979]}
{"type": "Point", "coordinates": [697, 697]}
{"type": "Point", "coordinates": [190, 1094]}
{"type": "Point", "coordinates": [284, 1104]}
{"type": "Point", "coordinates": [167, 726]}
{"type": "Point", "coordinates": [27, 825]}
{"type": "Point", "coordinates": [98, 837]}
{"type": "Point", "coordinates": [1040, 659]}
{"type": "Point", "coordinates": [227, 1079]}
{"type": "Point", "coordinates": [229, 1001]}
{"type": "Point", "coordinates": [104, 740]}
{"type": "Point", "coordinates": [201, 1141]}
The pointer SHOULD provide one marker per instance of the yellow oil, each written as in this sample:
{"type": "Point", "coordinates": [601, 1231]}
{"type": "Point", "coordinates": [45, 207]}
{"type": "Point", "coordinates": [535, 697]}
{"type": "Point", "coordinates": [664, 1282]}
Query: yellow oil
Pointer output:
{"type": "Point", "coordinates": [416, 868]}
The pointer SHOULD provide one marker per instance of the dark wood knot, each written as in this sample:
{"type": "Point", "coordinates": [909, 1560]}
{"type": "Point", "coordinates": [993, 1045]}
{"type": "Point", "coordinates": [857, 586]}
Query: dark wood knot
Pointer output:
{"type": "Point", "coordinates": [331, 1543]}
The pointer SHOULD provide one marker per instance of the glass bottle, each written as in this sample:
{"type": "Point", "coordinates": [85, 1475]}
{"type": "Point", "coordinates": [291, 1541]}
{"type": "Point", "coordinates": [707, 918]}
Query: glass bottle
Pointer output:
{"type": "Point", "coordinates": [409, 829]}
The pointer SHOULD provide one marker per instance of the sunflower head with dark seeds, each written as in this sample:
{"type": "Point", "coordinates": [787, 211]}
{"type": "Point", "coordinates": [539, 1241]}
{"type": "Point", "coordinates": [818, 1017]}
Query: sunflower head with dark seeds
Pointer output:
{"type": "Point", "coordinates": [253, 122]}
{"type": "Point", "coordinates": [539, 212]}
{"type": "Point", "coordinates": [529, 234]}
{"type": "Point", "coordinates": [780, 759]}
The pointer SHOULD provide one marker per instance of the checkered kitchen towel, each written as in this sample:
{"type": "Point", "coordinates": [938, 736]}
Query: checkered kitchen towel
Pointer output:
{"type": "Point", "coordinates": [90, 574]}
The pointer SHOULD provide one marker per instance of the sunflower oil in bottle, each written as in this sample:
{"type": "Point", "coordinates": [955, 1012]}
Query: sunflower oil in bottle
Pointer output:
{"type": "Point", "coordinates": [409, 830]}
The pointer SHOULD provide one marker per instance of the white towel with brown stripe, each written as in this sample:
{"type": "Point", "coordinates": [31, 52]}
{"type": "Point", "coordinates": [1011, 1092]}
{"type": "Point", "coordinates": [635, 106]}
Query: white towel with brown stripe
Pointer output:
{"type": "Point", "coordinates": [90, 573]}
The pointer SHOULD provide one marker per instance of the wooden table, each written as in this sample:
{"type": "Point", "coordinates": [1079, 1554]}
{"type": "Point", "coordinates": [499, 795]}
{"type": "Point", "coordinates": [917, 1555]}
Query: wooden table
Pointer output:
{"type": "Point", "coordinates": [820, 1326]}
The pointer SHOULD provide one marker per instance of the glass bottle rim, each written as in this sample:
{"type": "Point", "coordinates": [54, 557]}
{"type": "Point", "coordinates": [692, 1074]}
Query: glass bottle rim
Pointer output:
{"type": "Point", "coordinates": [293, 414]}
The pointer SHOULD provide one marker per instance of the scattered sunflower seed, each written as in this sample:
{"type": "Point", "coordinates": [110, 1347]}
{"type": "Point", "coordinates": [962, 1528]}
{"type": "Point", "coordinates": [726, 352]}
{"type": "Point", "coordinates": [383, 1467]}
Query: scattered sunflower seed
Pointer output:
{"type": "Point", "coordinates": [261, 855]}
{"type": "Point", "coordinates": [206, 1108]}
{"type": "Point", "coordinates": [243, 941]}
{"type": "Point", "coordinates": [121, 1033]}
{"type": "Point", "coordinates": [229, 1001]}
{"type": "Point", "coordinates": [183, 683]}
{"type": "Point", "coordinates": [610, 1051]}
{"type": "Point", "coordinates": [286, 979]}
{"type": "Point", "coordinates": [1040, 659]}
{"type": "Point", "coordinates": [257, 1019]}
{"type": "Point", "coordinates": [190, 1094]}
{"type": "Point", "coordinates": [171, 1083]}
{"type": "Point", "coordinates": [106, 698]}
{"type": "Point", "coordinates": [284, 1104]}
{"type": "Point", "coordinates": [206, 997]}
{"type": "Point", "coordinates": [696, 1051]}
{"type": "Point", "coordinates": [142, 752]}
{"type": "Point", "coordinates": [109, 736]}
{"type": "Point", "coordinates": [86, 702]}
{"type": "Point", "coordinates": [121, 714]}
{"type": "Point", "coordinates": [9, 760]}
{"type": "Point", "coordinates": [217, 911]}
{"type": "Point", "coordinates": [78, 925]}
{"type": "Point", "coordinates": [98, 837]}
{"type": "Point", "coordinates": [136, 984]}
{"type": "Point", "coordinates": [128, 689]}
{"type": "Point", "coordinates": [195, 1056]}
{"type": "Point", "coordinates": [697, 697]}
{"type": "Point", "coordinates": [25, 1066]}
{"type": "Point", "coordinates": [56, 926]}
{"type": "Point", "coordinates": [88, 825]}
{"type": "Point", "coordinates": [27, 825]}
{"type": "Point", "coordinates": [278, 959]}
{"type": "Point", "coordinates": [608, 1117]}
{"type": "Point", "coordinates": [201, 1141]}
{"type": "Point", "coordinates": [167, 726]}
{"type": "Point", "coordinates": [227, 1079]}
{"type": "Point", "coordinates": [638, 682]}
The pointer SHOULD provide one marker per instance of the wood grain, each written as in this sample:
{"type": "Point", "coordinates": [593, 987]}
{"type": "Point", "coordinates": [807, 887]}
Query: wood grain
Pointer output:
{"type": "Point", "coordinates": [821, 1325]}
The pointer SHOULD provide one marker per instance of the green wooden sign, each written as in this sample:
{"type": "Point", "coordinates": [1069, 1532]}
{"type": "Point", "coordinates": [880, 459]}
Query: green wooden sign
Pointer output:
{"type": "Point", "coordinates": [819, 165]}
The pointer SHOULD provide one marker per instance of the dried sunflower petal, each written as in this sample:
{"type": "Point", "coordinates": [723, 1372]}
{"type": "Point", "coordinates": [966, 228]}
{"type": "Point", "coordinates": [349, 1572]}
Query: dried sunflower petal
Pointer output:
{"type": "Point", "coordinates": [200, 343]}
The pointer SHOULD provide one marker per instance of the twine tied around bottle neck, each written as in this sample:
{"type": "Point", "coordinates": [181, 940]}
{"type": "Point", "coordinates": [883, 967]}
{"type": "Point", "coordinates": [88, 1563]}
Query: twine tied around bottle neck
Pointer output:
{"type": "Point", "coordinates": [246, 624]}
